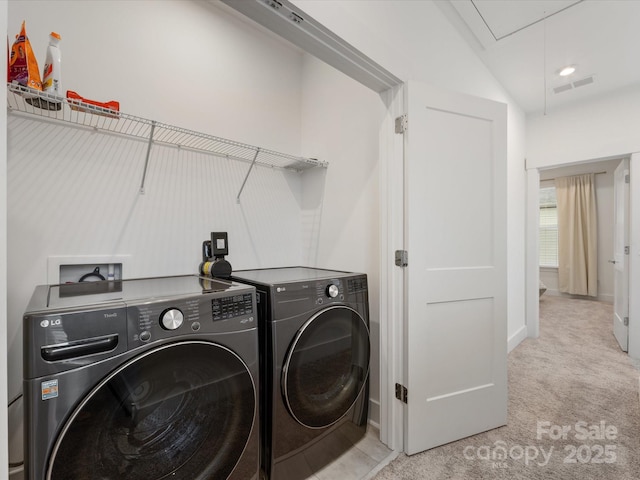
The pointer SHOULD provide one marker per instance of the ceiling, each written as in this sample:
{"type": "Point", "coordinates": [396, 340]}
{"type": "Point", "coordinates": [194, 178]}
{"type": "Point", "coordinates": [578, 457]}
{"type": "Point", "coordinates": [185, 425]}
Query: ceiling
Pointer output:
{"type": "Point", "coordinates": [526, 42]}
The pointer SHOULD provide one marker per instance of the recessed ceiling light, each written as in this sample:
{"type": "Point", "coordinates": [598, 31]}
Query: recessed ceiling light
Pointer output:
{"type": "Point", "coordinates": [566, 71]}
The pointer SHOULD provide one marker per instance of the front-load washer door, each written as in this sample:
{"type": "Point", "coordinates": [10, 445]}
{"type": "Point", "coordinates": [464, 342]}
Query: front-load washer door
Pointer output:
{"type": "Point", "coordinates": [326, 367]}
{"type": "Point", "coordinates": [182, 411]}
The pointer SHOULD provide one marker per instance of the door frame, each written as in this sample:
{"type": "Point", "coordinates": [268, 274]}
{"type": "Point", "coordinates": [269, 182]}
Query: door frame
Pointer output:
{"type": "Point", "coordinates": [634, 256]}
{"type": "Point", "coordinates": [620, 258]}
{"type": "Point", "coordinates": [392, 291]}
{"type": "Point", "coordinates": [532, 320]}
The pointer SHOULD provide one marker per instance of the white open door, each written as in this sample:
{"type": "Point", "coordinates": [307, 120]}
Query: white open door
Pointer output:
{"type": "Point", "coordinates": [621, 255]}
{"type": "Point", "coordinates": [456, 325]}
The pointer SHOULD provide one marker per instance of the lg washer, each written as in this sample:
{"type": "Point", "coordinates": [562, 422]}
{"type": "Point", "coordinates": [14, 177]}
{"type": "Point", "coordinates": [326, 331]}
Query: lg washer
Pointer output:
{"type": "Point", "coordinates": [314, 347]}
{"type": "Point", "coordinates": [142, 379]}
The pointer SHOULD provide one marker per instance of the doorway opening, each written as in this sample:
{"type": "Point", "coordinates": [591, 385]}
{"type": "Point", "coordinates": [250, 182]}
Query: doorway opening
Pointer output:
{"type": "Point", "coordinates": [543, 273]}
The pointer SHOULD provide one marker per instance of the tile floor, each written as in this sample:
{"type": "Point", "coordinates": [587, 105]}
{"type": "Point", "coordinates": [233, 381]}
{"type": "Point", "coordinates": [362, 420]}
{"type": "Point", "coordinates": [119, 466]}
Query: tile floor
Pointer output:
{"type": "Point", "coordinates": [361, 462]}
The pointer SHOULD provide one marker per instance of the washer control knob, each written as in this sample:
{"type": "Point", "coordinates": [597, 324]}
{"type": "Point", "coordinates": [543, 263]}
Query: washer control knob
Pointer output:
{"type": "Point", "coordinates": [171, 319]}
{"type": "Point", "coordinates": [332, 291]}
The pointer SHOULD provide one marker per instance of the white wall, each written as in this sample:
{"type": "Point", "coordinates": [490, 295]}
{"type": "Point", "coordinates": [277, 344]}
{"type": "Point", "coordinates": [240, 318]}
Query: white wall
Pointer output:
{"type": "Point", "coordinates": [74, 192]}
{"type": "Point", "coordinates": [606, 127]}
{"type": "Point", "coordinates": [414, 40]}
{"type": "Point", "coordinates": [605, 206]}
{"type": "Point", "coordinates": [602, 128]}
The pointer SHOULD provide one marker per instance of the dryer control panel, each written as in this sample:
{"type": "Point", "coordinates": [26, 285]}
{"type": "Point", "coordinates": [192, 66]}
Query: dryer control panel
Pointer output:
{"type": "Point", "coordinates": [293, 291]}
{"type": "Point", "coordinates": [328, 290]}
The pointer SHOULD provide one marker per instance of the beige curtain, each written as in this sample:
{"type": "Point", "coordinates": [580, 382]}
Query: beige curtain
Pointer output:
{"type": "Point", "coordinates": [577, 235]}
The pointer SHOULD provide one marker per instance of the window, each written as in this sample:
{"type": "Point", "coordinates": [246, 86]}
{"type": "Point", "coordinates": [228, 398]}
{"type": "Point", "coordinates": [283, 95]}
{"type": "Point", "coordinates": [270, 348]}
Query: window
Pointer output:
{"type": "Point", "coordinates": [548, 255]}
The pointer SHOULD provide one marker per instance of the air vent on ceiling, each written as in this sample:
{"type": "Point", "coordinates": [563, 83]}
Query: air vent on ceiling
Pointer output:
{"type": "Point", "coordinates": [563, 88]}
{"type": "Point", "coordinates": [584, 81]}
{"type": "Point", "coordinates": [570, 86]}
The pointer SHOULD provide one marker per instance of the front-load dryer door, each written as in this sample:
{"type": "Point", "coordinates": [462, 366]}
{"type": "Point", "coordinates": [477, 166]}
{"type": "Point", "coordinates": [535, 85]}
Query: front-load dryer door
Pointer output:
{"type": "Point", "coordinates": [182, 411]}
{"type": "Point", "coordinates": [326, 367]}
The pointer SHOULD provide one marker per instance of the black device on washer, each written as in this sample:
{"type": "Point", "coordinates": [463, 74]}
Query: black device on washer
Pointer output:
{"type": "Point", "coordinates": [213, 253]}
{"type": "Point", "coordinates": [219, 244]}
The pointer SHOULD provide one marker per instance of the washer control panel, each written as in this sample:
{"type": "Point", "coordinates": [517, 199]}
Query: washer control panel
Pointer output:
{"type": "Point", "coordinates": [207, 313]}
{"type": "Point", "coordinates": [229, 307]}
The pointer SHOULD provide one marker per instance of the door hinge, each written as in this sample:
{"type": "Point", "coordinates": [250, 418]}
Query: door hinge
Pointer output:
{"type": "Point", "coordinates": [401, 393]}
{"type": "Point", "coordinates": [626, 324]}
{"type": "Point", "coordinates": [402, 258]}
{"type": "Point", "coordinates": [402, 123]}
{"type": "Point", "coordinates": [626, 250]}
{"type": "Point", "coordinates": [627, 179]}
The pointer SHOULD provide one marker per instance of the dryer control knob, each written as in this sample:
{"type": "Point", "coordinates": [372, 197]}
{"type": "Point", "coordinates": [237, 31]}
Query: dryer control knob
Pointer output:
{"type": "Point", "coordinates": [171, 319]}
{"type": "Point", "coordinates": [332, 291]}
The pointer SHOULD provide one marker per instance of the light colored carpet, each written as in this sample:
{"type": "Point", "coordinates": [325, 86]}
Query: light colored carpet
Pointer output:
{"type": "Point", "coordinates": [575, 372]}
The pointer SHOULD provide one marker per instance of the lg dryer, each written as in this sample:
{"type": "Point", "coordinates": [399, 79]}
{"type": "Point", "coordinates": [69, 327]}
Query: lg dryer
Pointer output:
{"type": "Point", "coordinates": [142, 379]}
{"type": "Point", "coordinates": [314, 340]}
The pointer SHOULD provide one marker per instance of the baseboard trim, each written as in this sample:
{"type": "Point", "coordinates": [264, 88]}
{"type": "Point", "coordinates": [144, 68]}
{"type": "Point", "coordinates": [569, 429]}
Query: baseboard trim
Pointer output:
{"type": "Point", "coordinates": [605, 297]}
{"type": "Point", "coordinates": [16, 473]}
{"type": "Point", "coordinates": [374, 413]}
{"type": "Point", "coordinates": [517, 338]}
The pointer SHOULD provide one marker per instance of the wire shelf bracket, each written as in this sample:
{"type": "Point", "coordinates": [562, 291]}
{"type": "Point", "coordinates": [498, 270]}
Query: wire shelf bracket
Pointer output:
{"type": "Point", "coordinates": [255, 157]}
{"type": "Point", "coordinates": [146, 160]}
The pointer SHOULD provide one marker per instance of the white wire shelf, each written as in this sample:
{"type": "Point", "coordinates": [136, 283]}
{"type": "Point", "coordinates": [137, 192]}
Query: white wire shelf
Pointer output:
{"type": "Point", "coordinates": [24, 100]}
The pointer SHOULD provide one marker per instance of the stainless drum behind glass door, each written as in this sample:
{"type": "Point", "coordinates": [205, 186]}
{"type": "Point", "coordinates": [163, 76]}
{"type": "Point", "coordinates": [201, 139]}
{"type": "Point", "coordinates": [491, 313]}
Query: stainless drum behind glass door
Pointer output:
{"type": "Point", "coordinates": [326, 367]}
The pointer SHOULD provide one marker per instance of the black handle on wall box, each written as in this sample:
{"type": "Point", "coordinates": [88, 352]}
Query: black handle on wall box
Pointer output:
{"type": "Point", "coordinates": [207, 254]}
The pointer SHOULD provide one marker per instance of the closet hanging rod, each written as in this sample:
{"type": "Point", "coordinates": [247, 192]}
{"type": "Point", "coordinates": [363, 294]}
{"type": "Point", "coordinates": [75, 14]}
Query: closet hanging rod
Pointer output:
{"type": "Point", "coordinates": [587, 173]}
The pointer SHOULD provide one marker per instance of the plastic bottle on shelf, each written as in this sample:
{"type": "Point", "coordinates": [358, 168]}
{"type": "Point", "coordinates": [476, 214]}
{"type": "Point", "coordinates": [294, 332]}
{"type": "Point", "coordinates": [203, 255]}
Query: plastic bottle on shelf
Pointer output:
{"type": "Point", "coordinates": [52, 77]}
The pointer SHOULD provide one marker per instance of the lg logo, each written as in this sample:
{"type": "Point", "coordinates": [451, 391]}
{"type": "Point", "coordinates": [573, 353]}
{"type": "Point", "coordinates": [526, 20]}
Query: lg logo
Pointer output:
{"type": "Point", "coordinates": [51, 323]}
